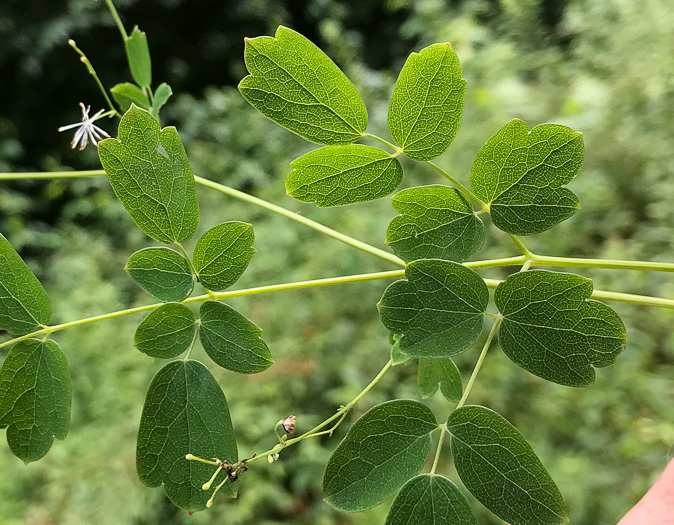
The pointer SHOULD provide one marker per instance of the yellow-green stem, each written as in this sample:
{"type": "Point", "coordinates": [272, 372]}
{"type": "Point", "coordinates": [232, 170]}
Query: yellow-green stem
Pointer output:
{"type": "Point", "coordinates": [441, 440]}
{"type": "Point", "coordinates": [118, 20]}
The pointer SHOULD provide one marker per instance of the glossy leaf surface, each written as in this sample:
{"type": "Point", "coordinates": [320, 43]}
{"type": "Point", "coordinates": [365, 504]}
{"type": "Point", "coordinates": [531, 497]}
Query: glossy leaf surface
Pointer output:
{"type": "Point", "coordinates": [150, 174]}
{"type": "Point", "coordinates": [295, 84]}
{"type": "Point", "coordinates": [553, 329]}
{"type": "Point", "coordinates": [161, 272]}
{"type": "Point", "coordinates": [231, 340]}
{"type": "Point", "coordinates": [427, 102]}
{"type": "Point", "coordinates": [339, 175]}
{"type": "Point", "coordinates": [430, 500]}
{"type": "Point", "coordinates": [35, 397]}
{"type": "Point", "coordinates": [24, 303]}
{"type": "Point", "coordinates": [387, 446]}
{"type": "Point", "coordinates": [185, 411]}
{"type": "Point", "coordinates": [166, 332]}
{"type": "Point", "coordinates": [435, 222]}
{"type": "Point", "coordinates": [501, 470]}
{"type": "Point", "coordinates": [521, 174]}
{"type": "Point", "coordinates": [223, 253]}
{"type": "Point", "coordinates": [438, 308]}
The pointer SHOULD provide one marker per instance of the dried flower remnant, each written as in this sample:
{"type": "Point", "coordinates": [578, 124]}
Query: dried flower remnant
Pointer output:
{"type": "Point", "coordinates": [87, 131]}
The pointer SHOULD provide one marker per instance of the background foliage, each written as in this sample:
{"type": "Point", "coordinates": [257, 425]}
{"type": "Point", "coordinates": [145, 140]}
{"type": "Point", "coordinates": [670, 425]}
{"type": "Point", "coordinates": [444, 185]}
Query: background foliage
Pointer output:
{"type": "Point", "coordinates": [600, 67]}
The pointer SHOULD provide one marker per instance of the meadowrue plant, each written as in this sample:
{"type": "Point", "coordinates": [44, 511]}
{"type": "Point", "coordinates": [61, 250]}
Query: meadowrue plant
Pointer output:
{"type": "Point", "coordinates": [551, 324]}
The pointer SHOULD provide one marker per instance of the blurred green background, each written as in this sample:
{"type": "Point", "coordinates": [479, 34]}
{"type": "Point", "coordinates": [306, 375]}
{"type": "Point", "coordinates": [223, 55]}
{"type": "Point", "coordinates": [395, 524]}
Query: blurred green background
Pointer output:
{"type": "Point", "coordinates": [604, 68]}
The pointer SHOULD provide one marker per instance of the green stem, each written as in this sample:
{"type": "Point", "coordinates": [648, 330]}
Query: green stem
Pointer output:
{"type": "Point", "coordinates": [443, 429]}
{"type": "Point", "coordinates": [188, 259]}
{"type": "Point", "coordinates": [217, 296]}
{"type": "Point", "coordinates": [521, 246]}
{"type": "Point", "coordinates": [118, 20]}
{"type": "Point", "coordinates": [575, 262]}
{"type": "Point", "coordinates": [491, 263]}
{"type": "Point", "coordinates": [30, 175]}
{"type": "Point", "coordinates": [92, 72]}
{"type": "Point", "coordinates": [302, 220]}
{"type": "Point", "coordinates": [316, 430]}
{"type": "Point", "coordinates": [480, 360]}
{"type": "Point", "coordinates": [194, 342]}
{"type": "Point", "coordinates": [395, 148]}
{"type": "Point", "coordinates": [463, 189]}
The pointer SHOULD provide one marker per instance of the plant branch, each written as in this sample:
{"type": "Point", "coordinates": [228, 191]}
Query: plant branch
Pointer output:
{"type": "Point", "coordinates": [436, 460]}
{"type": "Point", "coordinates": [463, 189]}
{"type": "Point", "coordinates": [480, 360]}
{"type": "Point", "coordinates": [92, 72]}
{"type": "Point", "coordinates": [118, 20]}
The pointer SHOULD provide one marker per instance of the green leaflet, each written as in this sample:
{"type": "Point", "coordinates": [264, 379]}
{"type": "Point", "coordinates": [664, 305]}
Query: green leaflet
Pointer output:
{"type": "Point", "coordinates": [223, 253]}
{"type": "Point", "coordinates": [397, 357]}
{"type": "Point", "coordinates": [35, 397]}
{"type": "Point", "coordinates": [438, 308]}
{"type": "Point", "coordinates": [126, 94]}
{"type": "Point", "coordinates": [434, 222]}
{"type": "Point", "coordinates": [386, 447]}
{"type": "Point", "coordinates": [430, 500]}
{"type": "Point", "coordinates": [161, 96]}
{"type": "Point", "coordinates": [442, 372]}
{"type": "Point", "coordinates": [295, 84]}
{"type": "Point", "coordinates": [24, 303]}
{"type": "Point", "coordinates": [231, 340]}
{"type": "Point", "coordinates": [185, 412]}
{"type": "Point", "coordinates": [427, 102]}
{"type": "Point", "coordinates": [553, 329]}
{"type": "Point", "coordinates": [520, 174]}
{"type": "Point", "coordinates": [138, 54]}
{"type": "Point", "coordinates": [501, 470]}
{"type": "Point", "coordinates": [339, 175]}
{"type": "Point", "coordinates": [166, 332]}
{"type": "Point", "coordinates": [150, 174]}
{"type": "Point", "coordinates": [161, 272]}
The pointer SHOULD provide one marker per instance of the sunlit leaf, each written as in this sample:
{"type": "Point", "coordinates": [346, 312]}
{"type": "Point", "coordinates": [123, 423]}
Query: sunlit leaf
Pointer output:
{"type": "Point", "coordinates": [430, 500]}
{"type": "Point", "coordinates": [35, 397]}
{"type": "Point", "coordinates": [521, 174]}
{"type": "Point", "coordinates": [427, 102]}
{"type": "Point", "coordinates": [223, 253]}
{"type": "Point", "coordinates": [338, 175]}
{"type": "Point", "coordinates": [161, 96]}
{"type": "Point", "coordinates": [295, 84]}
{"type": "Point", "coordinates": [440, 372]}
{"type": "Point", "coordinates": [138, 55]}
{"type": "Point", "coordinates": [185, 412]}
{"type": "Point", "coordinates": [24, 303]}
{"type": "Point", "coordinates": [387, 446]}
{"type": "Point", "coordinates": [162, 272]}
{"type": "Point", "coordinates": [126, 94]}
{"type": "Point", "coordinates": [231, 340]}
{"type": "Point", "coordinates": [434, 222]}
{"type": "Point", "coordinates": [501, 470]}
{"type": "Point", "coordinates": [553, 329]}
{"type": "Point", "coordinates": [150, 174]}
{"type": "Point", "coordinates": [438, 308]}
{"type": "Point", "coordinates": [166, 332]}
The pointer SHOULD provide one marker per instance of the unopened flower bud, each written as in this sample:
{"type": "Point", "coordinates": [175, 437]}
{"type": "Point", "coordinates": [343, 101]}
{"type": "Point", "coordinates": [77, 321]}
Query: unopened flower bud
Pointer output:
{"type": "Point", "coordinates": [289, 424]}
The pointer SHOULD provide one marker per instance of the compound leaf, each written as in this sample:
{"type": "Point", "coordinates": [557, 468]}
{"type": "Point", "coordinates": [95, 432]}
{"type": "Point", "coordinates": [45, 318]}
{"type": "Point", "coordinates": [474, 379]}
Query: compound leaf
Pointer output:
{"type": "Point", "coordinates": [427, 102]}
{"type": "Point", "coordinates": [150, 174]}
{"type": "Point", "coordinates": [435, 222]}
{"type": "Point", "coordinates": [126, 94]}
{"type": "Point", "coordinates": [138, 54]}
{"type": "Point", "coordinates": [552, 329]}
{"type": "Point", "coordinates": [430, 500]}
{"type": "Point", "coordinates": [231, 340]}
{"type": "Point", "coordinates": [339, 175]}
{"type": "Point", "coordinates": [386, 447]}
{"type": "Point", "coordinates": [439, 372]}
{"type": "Point", "coordinates": [185, 412]}
{"type": "Point", "coordinates": [295, 84]}
{"type": "Point", "coordinates": [35, 397]}
{"type": "Point", "coordinates": [167, 332]}
{"type": "Point", "coordinates": [501, 470]}
{"type": "Point", "coordinates": [223, 253]}
{"type": "Point", "coordinates": [24, 303]}
{"type": "Point", "coordinates": [521, 174]}
{"type": "Point", "coordinates": [161, 272]}
{"type": "Point", "coordinates": [438, 308]}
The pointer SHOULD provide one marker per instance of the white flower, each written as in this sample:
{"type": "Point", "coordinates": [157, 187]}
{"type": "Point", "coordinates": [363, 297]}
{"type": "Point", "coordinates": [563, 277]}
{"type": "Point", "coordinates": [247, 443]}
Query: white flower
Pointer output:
{"type": "Point", "coordinates": [86, 130]}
